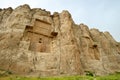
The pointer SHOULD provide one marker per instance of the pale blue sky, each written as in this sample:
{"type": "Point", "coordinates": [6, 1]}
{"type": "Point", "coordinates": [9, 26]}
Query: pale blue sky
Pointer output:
{"type": "Point", "coordinates": [101, 14]}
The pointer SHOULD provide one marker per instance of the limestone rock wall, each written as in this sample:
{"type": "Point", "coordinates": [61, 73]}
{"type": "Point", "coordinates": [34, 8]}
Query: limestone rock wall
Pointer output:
{"type": "Point", "coordinates": [34, 42]}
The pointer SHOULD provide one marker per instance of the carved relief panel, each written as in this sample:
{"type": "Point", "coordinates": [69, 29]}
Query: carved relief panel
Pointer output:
{"type": "Point", "coordinates": [39, 36]}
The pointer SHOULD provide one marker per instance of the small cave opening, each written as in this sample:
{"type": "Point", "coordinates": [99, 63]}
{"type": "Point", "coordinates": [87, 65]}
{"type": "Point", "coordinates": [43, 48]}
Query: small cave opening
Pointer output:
{"type": "Point", "coordinates": [94, 46]}
{"type": "Point", "coordinates": [117, 45]}
{"type": "Point", "coordinates": [40, 40]}
{"type": "Point", "coordinates": [54, 33]}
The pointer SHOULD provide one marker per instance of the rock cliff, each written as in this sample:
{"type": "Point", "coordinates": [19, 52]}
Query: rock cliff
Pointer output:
{"type": "Point", "coordinates": [34, 42]}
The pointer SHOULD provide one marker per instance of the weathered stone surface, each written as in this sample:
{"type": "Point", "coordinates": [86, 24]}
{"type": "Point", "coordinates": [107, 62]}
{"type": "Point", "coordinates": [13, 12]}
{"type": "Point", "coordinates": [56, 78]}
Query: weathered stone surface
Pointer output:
{"type": "Point", "coordinates": [34, 42]}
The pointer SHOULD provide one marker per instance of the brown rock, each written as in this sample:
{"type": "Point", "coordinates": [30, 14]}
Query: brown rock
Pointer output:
{"type": "Point", "coordinates": [34, 42]}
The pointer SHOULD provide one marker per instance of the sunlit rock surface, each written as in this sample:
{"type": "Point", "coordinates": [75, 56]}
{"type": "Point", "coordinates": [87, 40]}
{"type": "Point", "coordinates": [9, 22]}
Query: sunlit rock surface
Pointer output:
{"type": "Point", "coordinates": [38, 43]}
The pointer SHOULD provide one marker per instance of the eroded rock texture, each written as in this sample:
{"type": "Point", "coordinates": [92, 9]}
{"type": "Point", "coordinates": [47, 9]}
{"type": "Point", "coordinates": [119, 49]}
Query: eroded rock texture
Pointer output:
{"type": "Point", "coordinates": [34, 42]}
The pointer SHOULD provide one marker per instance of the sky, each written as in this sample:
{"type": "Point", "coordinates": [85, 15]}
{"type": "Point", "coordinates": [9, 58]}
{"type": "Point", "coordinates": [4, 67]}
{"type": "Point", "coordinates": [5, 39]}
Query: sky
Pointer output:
{"type": "Point", "coordinates": [101, 14]}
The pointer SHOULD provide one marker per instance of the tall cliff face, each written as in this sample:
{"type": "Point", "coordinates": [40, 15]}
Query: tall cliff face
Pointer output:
{"type": "Point", "coordinates": [34, 42]}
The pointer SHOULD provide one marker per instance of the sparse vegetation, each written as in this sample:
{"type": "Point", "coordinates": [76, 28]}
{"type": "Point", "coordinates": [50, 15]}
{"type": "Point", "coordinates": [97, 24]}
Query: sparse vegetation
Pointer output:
{"type": "Point", "coordinates": [5, 72]}
{"type": "Point", "coordinates": [109, 77]}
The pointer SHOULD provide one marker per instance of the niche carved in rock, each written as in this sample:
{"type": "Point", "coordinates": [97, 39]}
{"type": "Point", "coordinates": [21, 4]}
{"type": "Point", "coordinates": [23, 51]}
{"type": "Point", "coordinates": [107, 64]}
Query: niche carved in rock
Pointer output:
{"type": "Point", "coordinates": [40, 35]}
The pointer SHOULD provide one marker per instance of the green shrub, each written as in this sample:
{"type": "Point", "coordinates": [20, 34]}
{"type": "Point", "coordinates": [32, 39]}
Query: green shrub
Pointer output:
{"type": "Point", "coordinates": [117, 72]}
{"type": "Point", "coordinates": [88, 73]}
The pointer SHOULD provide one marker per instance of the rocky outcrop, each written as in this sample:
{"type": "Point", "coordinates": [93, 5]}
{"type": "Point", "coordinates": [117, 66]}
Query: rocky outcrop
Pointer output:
{"type": "Point", "coordinates": [34, 42]}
